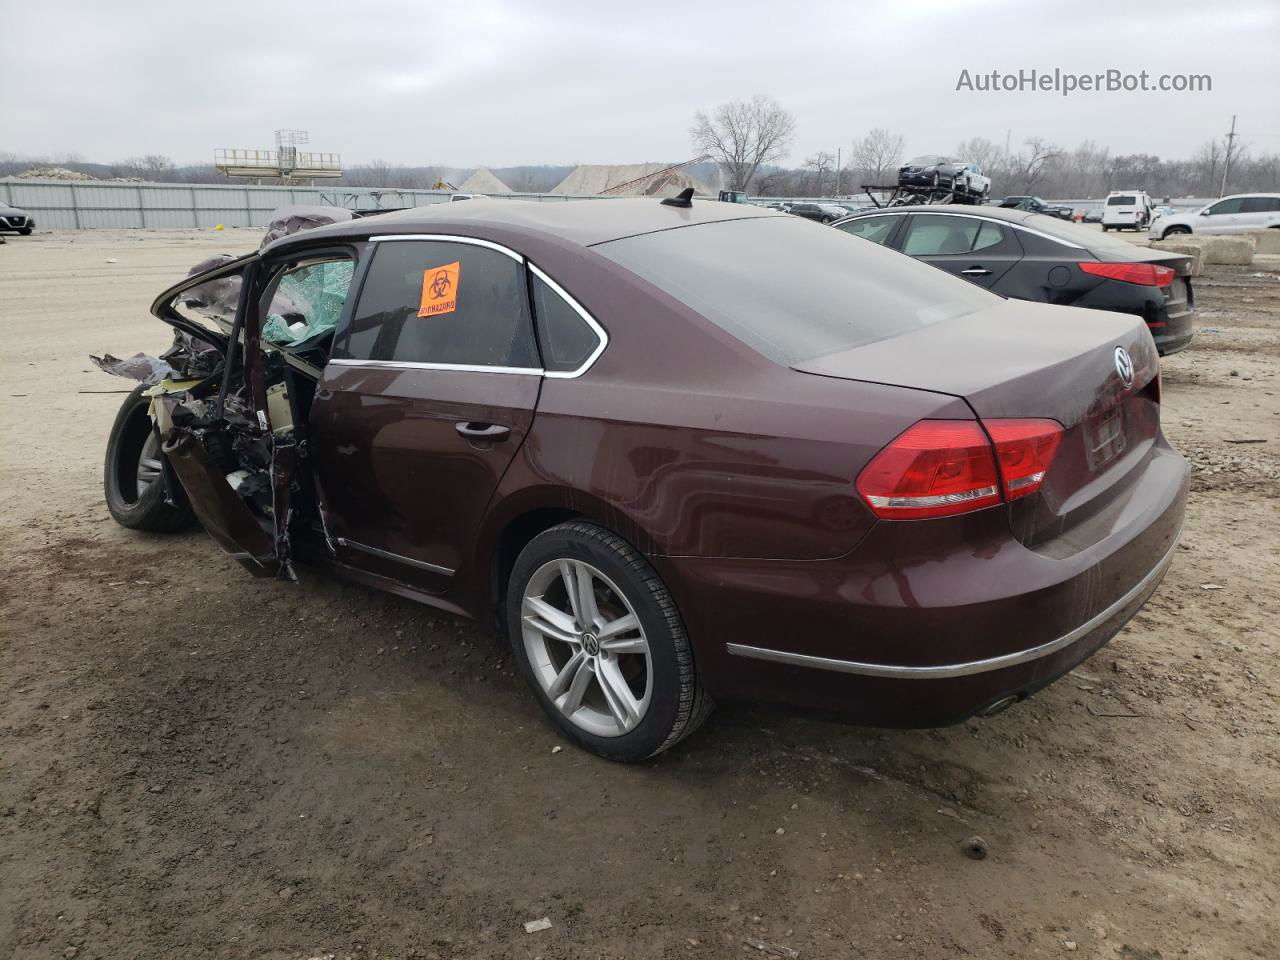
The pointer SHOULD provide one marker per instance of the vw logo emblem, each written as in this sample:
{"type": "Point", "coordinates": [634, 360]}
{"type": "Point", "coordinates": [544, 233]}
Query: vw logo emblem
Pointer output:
{"type": "Point", "coordinates": [1124, 366]}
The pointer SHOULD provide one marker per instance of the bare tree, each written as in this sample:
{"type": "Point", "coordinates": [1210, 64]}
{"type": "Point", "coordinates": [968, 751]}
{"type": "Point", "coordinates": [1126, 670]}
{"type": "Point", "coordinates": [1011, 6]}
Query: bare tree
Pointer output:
{"type": "Point", "coordinates": [822, 164]}
{"type": "Point", "coordinates": [1028, 167]}
{"type": "Point", "coordinates": [985, 153]}
{"type": "Point", "coordinates": [743, 134]}
{"type": "Point", "coordinates": [1206, 165]}
{"type": "Point", "coordinates": [151, 167]}
{"type": "Point", "coordinates": [878, 153]}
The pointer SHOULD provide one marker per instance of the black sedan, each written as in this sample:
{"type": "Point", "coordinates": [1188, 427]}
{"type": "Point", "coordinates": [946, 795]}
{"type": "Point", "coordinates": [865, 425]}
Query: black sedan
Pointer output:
{"type": "Point", "coordinates": [16, 220]}
{"type": "Point", "coordinates": [1029, 256]}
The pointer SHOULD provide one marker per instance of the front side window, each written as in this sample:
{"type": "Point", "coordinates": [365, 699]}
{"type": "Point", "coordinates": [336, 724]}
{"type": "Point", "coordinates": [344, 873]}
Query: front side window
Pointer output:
{"type": "Point", "coordinates": [439, 301]}
{"type": "Point", "coordinates": [1224, 206]}
{"type": "Point", "coordinates": [307, 302]}
{"type": "Point", "coordinates": [565, 338]}
{"type": "Point", "coordinates": [935, 236]}
{"type": "Point", "coordinates": [875, 229]}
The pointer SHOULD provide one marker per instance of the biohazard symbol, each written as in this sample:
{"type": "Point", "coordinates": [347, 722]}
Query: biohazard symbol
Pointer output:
{"type": "Point", "coordinates": [440, 284]}
{"type": "Point", "coordinates": [440, 289]}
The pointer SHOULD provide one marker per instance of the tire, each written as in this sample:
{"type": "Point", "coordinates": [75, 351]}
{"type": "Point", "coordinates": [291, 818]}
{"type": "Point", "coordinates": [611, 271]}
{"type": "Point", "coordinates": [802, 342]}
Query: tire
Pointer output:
{"type": "Point", "coordinates": [1105, 228]}
{"type": "Point", "coordinates": [25, 231]}
{"type": "Point", "coordinates": [134, 502]}
{"type": "Point", "coordinates": [666, 702]}
{"type": "Point", "coordinates": [1174, 231]}
{"type": "Point", "coordinates": [827, 219]}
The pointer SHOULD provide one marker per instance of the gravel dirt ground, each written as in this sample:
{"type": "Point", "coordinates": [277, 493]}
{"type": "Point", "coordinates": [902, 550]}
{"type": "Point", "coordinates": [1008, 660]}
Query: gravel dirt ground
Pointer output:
{"type": "Point", "coordinates": [194, 763]}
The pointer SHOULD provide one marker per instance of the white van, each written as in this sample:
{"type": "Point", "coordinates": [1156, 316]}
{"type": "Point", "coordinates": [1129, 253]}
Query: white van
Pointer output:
{"type": "Point", "coordinates": [1126, 210]}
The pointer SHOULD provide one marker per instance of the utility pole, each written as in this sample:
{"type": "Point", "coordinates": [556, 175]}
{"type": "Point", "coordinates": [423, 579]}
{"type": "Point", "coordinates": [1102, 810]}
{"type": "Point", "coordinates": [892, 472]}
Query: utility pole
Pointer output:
{"type": "Point", "coordinates": [1226, 163]}
{"type": "Point", "coordinates": [838, 165]}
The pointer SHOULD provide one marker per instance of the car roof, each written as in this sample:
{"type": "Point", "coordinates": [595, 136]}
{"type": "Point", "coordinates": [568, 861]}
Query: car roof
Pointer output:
{"type": "Point", "coordinates": [583, 222]}
{"type": "Point", "coordinates": [968, 209]}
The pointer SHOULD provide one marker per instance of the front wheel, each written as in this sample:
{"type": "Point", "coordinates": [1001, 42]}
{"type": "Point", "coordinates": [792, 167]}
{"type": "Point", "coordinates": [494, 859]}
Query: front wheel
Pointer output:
{"type": "Point", "coordinates": [25, 231]}
{"type": "Point", "coordinates": [132, 478]}
{"type": "Point", "coordinates": [1173, 232]}
{"type": "Point", "coordinates": [598, 637]}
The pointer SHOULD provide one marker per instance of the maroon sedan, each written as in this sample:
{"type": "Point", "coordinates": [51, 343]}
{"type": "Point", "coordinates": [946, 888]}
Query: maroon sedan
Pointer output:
{"type": "Point", "coordinates": [684, 452]}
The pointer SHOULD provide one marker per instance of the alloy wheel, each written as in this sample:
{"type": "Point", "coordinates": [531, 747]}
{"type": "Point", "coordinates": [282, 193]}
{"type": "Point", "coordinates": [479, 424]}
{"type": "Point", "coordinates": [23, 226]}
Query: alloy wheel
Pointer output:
{"type": "Point", "coordinates": [587, 648]}
{"type": "Point", "coordinates": [149, 467]}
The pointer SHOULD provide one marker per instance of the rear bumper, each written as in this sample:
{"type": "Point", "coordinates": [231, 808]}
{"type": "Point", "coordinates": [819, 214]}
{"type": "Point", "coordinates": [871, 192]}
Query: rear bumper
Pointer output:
{"type": "Point", "coordinates": [1170, 321]}
{"type": "Point", "coordinates": [927, 623]}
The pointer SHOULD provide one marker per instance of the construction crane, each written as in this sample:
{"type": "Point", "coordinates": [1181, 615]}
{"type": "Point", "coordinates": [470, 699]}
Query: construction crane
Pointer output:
{"type": "Point", "coordinates": [618, 188]}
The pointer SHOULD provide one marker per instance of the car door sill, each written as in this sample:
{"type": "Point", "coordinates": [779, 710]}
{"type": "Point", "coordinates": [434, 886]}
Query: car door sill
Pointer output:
{"type": "Point", "coordinates": [388, 555]}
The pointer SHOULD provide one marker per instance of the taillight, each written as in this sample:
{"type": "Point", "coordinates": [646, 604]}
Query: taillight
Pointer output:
{"type": "Point", "coordinates": [935, 469]}
{"type": "Point", "coordinates": [939, 468]}
{"type": "Point", "coordinates": [1147, 274]}
{"type": "Point", "coordinates": [1024, 450]}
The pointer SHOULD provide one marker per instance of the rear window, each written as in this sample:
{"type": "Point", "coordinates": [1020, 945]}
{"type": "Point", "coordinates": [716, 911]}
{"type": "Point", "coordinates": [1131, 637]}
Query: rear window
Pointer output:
{"type": "Point", "coordinates": [1121, 201]}
{"type": "Point", "coordinates": [793, 290]}
{"type": "Point", "coordinates": [1081, 236]}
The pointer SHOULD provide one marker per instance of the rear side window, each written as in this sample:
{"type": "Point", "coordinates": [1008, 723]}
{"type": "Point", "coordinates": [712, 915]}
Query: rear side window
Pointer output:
{"type": "Point", "coordinates": [435, 301]}
{"type": "Point", "coordinates": [792, 292]}
{"type": "Point", "coordinates": [1259, 204]}
{"type": "Point", "coordinates": [565, 337]}
{"type": "Point", "coordinates": [875, 229]}
{"type": "Point", "coordinates": [933, 236]}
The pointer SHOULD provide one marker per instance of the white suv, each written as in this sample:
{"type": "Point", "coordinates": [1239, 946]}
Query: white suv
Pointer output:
{"type": "Point", "coordinates": [1237, 214]}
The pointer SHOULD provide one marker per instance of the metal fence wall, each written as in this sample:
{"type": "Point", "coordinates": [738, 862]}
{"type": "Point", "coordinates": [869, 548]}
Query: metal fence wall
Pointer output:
{"type": "Point", "coordinates": [82, 205]}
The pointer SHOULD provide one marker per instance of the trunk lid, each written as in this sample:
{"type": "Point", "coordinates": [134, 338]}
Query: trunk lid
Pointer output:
{"type": "Point", "coordinates": [1028, 360]}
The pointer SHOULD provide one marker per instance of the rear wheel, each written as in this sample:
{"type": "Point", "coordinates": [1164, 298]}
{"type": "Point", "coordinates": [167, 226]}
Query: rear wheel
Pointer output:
{"type": "Point", "coordinates": [599, 639]}
{"type": "Point", "coordinates": [132, 478]}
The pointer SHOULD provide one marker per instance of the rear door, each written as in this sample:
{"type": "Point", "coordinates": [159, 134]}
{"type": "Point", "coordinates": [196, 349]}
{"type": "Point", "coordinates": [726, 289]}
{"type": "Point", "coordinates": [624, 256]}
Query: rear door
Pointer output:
{"type": "Point", "coordinates": [1256, 213]}
{"type": "Point", "coordinates": [429, 394]}
{"type": "Point", "coordinates": [978, 250]}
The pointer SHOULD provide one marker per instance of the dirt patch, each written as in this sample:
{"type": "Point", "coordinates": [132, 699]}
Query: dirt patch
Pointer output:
{"type": "Point", "coordinates": [194, 763]}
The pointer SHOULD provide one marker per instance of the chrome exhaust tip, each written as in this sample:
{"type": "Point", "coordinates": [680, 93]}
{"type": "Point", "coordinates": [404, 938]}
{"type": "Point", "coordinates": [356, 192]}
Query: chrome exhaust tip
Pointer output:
{"type": "Point", "coordinates": [1004, 703]}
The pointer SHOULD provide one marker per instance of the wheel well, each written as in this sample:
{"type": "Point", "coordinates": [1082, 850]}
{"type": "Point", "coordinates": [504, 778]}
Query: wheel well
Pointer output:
{"type": "Point", "coordinates": [514, 538]}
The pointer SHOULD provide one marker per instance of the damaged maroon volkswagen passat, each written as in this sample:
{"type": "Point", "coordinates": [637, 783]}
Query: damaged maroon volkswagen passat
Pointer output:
{"type": "Point", "coordinates": [685, 451]}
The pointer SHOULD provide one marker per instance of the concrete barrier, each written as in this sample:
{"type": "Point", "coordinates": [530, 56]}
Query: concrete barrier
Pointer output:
{"type": "Point", "coordinates": [1265, 241]}
{"type": "Point", "coordinates": [1235, 251]}
{"type": "Point", "coordinates": [1193, 250]}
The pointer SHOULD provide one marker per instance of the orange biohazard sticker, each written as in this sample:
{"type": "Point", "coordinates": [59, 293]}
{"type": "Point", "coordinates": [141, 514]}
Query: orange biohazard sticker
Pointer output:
{"type": "Point", "coordinates": [440, 289]}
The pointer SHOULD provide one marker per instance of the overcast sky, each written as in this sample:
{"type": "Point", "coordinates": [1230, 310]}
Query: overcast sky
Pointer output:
{"type": "Point", "coordinates": [498, 82]}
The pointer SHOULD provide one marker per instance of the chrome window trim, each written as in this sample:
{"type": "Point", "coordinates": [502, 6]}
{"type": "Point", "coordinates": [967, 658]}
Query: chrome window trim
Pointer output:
{"type": "Point", "coordinates": [602, 335]}
{"type": "Point", "coordinates": [415, 365]}
{"type": "Point", "coordinates": [450, 238]}
{"type": "Point", "coordinates": [1012, 225]}
{"type": "Point", "coordinates": [943, 671]}
{"type": "Point", "coordinates": [600, 332]}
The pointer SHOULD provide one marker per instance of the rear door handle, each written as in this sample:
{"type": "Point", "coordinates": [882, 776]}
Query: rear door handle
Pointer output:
{"type": "Point", "coordinates": [976, 272]}
{"type": "Point", "coordinates": [483, 431]}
